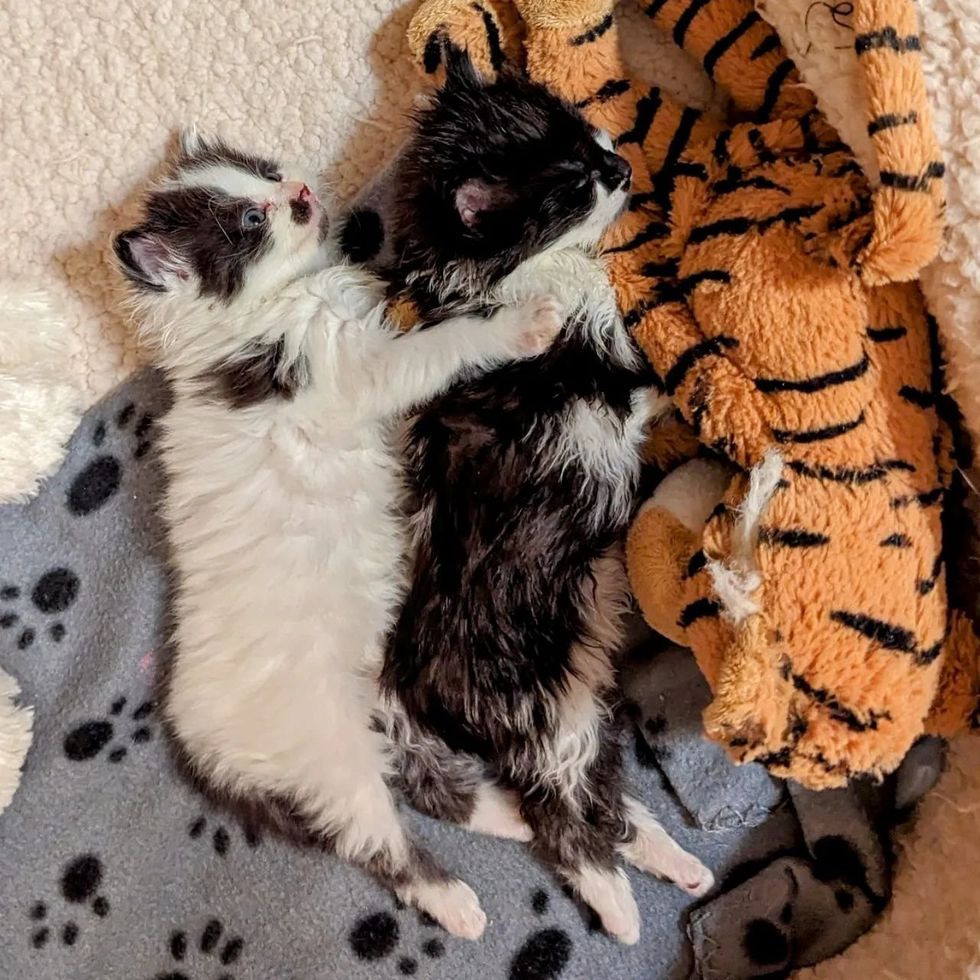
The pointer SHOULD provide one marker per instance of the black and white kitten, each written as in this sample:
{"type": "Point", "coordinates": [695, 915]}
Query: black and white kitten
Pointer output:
{"type": "Point", "coordinates": [281, 503]}
{"type": "Point", "coordinates": [522, 482]}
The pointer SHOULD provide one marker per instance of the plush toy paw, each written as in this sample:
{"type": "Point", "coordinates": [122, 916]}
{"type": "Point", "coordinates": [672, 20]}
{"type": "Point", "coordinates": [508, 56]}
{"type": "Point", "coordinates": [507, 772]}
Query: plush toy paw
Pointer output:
{"type": "Point", "coordinates": [584, 15]}
{"type": "Point", "coordinates": [839, 234]}
{"type": "Point", "coordinates": [906, 234]}
{"type": "Point", "coordinates": [488, 32]}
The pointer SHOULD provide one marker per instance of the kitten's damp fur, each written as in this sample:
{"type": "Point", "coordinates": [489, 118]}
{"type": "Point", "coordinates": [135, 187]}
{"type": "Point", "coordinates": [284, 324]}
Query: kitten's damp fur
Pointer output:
{"type": "Point", "coordinates": [281, 505]}
{"type": "Point", "coordinates": [522, 481]}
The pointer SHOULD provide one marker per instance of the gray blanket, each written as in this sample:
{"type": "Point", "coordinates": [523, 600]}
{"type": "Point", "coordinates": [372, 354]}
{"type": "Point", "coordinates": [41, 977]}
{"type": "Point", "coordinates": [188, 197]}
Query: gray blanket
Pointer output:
{"type": "Point", "coordinates": [111, 867]}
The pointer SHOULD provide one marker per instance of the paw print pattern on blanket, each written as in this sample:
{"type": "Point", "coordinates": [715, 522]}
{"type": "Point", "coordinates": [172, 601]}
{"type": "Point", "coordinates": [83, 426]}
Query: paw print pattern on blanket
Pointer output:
{"type": "Point", "coordinates": [209, 953]}
{"type": "Point", "coordinates": [545, 953]}
{"type": "Point", "coordinates": [221, 836]}
{"type": "Point", "coordinates": [79, 885]}
{"type": "Point", "coordinates": [375, 937]}
{"type": "Point", "coordinates": [87, 740]}
{"type": "Point", "coordinates": [97, 483]}
{"type": "Point", "coordinates": [52, 594]}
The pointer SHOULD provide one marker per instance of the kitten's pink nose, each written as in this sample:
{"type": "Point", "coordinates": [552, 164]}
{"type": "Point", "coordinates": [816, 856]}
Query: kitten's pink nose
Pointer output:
{"type": "Point", "coordinates": [297, 191]}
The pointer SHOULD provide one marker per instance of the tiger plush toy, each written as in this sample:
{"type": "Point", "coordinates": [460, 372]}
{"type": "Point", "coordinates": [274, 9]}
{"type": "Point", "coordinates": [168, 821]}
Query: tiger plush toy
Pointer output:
{"type": "Point", "coordinates": [767, 282]}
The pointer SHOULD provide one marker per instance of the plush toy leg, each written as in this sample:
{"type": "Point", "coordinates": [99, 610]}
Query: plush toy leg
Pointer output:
{"type": "Point", "coordinates": [664, 538]}
{"type": "Point", "coordinates": [15, 738]}
{"type": "Point", "coordinates": [739, 51]}
{"type": "Point", "coordinates": [909, 204]}
{"type": "Point", "coordinates": [658, 550]}
{"type": "Point", "coordinates": [750, 713]}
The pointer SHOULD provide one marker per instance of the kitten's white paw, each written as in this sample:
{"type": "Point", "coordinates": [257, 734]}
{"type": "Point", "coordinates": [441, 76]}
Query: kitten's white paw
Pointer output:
{"type": "Point", "coordinates": [543, 318]}
{"type": "Point", "coordinates": [609, 894]}
{"type": "Point", "coordinates": [453, 904]}
{"type": "Point", "coordinates": [654, 851]}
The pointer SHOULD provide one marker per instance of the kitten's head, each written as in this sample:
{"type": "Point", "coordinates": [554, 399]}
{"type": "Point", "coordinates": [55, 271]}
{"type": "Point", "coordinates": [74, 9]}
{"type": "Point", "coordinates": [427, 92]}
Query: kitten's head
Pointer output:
{"type": "Point", "coordinates": [224, 230]}
{"type": "Point", "coordinates": [499, 171]}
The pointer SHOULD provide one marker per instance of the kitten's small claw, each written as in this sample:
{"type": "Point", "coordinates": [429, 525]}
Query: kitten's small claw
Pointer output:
{"type": "Point", "coordinates": [544, 318]}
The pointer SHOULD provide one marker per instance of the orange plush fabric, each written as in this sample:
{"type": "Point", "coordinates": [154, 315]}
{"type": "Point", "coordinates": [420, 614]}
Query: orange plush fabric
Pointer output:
{"type": "Point", "coordinates": [769, 288]}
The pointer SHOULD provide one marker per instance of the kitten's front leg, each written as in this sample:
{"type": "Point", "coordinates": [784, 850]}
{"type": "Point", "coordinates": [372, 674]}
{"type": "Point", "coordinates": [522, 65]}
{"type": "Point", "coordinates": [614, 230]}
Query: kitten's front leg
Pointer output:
{"type": "Point", "coordinates": [416, 367]}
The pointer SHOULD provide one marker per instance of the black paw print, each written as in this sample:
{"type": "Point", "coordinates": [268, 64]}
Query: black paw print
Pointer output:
{"type": "Point", "coordinates": [53, 593]}
{"type": "Point", "coordinates": [375, 937]}
{"type": "Point", "coordinates": [206, 955]}
{"type": "Point", "coordinates": [79, 885]}
{"type": "Point", "coordinates": [87, 740]}
{"type": "Point", "coordinates": [546, 952]}
{"type": "Point", "coordinates": [221, 836]}
{"type": "Point", "coordinates": [98, 482]}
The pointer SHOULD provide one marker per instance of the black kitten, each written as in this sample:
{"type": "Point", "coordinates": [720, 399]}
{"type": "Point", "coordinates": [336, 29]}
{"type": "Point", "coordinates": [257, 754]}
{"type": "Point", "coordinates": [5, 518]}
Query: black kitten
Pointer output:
{"type": "Point", "coordinates": [523, 481]}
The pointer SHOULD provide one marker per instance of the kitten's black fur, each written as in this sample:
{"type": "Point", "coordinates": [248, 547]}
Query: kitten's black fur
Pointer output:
{"type": "Point", "coordinates": [512, 534]}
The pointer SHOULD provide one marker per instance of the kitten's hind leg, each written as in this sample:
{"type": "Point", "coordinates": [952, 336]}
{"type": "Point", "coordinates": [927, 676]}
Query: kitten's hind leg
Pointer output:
{"type": "Point", "coordinates": [573, 801]}
{"type": "Point", "coordinates": [374, 838]}
{"type": "Point", "coordinates": [451, 786]}
{"type": "Point", "coordinates": [650, 848]}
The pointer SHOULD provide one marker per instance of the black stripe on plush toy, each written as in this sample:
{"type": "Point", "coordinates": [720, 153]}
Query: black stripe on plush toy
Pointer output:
{"type": "Point", "coordinates": [889, 635]}
{"type": "Point", "coordinates": [882, 335]}
{"type": "Point", "coordinates": [792, 537]}
{"type": "Point", "coordinates": [725, 43]}
{"type": "Point", "coordinates": [731, 184]}
{"type": "Point", "coordinates": [767, 44]}
{"type": "Point", "coordinates": [493, 37]}
{"type": "Point", "coordinates": [851, 474]}
{"type": "Point", "coordinates": [838, 710]}
{"type": "Point", "coordinates": [699, 609]}
{"type": "Point", "coordinates": [684, 21]}
{"type": "Point", "coordinates": [653, 232]}
{"type": "Point", "coordinates": [818, 382]}
{"type": "Point", "coordinates": [917, 397]}
{"type": "Point", "coordinates": [605, 92]}
{"type": "Point", "coordinates": [913, 182]}
{"type": "Point", "coordinates": [927, 498]}
{"type": "Point", "coordinates": [887, 37]}
{"type": "Point", "coordinates": [593, 33]}
{"type": "Point", "coordinates": [789, 216]}
{"type": "Point", "coordinates": [758, 144]}
{"type": "Point", "coordinates": [779, 75]}
{"type": "Point", "coordinates": [646, 112]}
{"type": "Point", "coordinates": [697, 352]}
{"type": "Point", "coordinates": [804, 436]}
{"type": "Point", "coordinates": [891, 120]}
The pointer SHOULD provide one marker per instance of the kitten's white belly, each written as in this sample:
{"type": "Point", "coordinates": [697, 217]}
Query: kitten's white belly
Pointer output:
{"type": "Point", "coordinates": [289, 562]}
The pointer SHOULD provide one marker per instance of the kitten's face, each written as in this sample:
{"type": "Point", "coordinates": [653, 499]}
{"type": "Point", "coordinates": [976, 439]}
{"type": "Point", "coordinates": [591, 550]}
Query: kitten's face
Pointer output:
{"type": "Point", "coordinates": [224, 226]}
{"type": "Point", "coordinates": [506, 169]}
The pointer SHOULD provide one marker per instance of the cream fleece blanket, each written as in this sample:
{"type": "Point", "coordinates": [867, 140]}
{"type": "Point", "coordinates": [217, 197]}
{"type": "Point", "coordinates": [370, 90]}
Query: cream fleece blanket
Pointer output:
{"type": "Point", "coordinates": [91, 92]}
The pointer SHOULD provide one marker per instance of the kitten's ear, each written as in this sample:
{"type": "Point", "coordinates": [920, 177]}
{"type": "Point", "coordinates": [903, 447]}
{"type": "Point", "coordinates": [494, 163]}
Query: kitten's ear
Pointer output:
{"type": "Point", "coordinates": [191, 141]}
{"type": "Point", "coordinates": [476, 198]}
{"type": "Point", "coordinates": [147, 260]}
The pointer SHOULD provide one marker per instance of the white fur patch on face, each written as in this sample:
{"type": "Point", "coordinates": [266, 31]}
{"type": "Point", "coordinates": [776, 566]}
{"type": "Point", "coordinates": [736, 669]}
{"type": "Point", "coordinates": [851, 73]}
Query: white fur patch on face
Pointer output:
{"type": "Point", "coordinates": [231, 180]}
